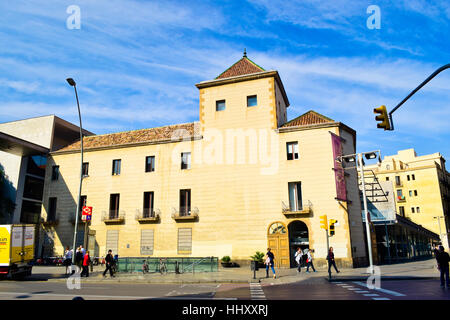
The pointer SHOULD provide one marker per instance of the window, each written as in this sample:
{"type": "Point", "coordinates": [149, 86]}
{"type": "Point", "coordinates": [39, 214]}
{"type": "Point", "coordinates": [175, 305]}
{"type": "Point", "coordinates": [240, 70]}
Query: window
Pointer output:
{"type": "Point", "coordinates": [85, 169]}
{"type": "Point", "coordinates": [402, 211]}
{"type": "Point", "coordinates": [116, 167]}
{"type": "Point", "coordinates": [252, 101]}
{"type": "Point", "coordinates": [55, 173]}
{"type": "Point", "coordinates": [112, 241]}
{"type": "Point", "coordinates": [292, 150]}
{"type": "Point", "coordinates": [415, 193]}
{"type": "Point", "coordinates": [417, 209]}
{"type": "Point", "coordinates": [36, 165]}
{"type": "Point", "coordinates": [33, 188]}
{"type": "Point", "coordinates": [184, 240]}
{"type": "Point", "coordinates": [412, 209]}
{"type": "Point", "coordinates": [114, 206]}
{"type": "Point", "coordinates": [51, 214]}
{"type": "Point", "coordinates": [148, 205]}
{"type": "Point", "coordinates": [387, 178]}
{"type": "Point", "coordinates": [150, 164]}
{"type": "Point", "coordinates": [147, 242]}
{"type": "Point", "coordinates": [83, 203]}
{"type": "Point", "coordinates": [413, 177]}
{"type": "Point", "coordinates": [410, 193]}
{"type": "Point", "coordinates": [295, 196]}
{"type": "Point", "coordinates": [220, 105]}
{"type": "Point", "coordinates": [185, 202]}
{"type": "Point", "coordinates": [398, 181]}
{"type": "Point", "coordinates": [185, 160]}
{"type": "Point", "coordinates": [388, 167]}
{"type": "Point", "coordinates": [407, 177]}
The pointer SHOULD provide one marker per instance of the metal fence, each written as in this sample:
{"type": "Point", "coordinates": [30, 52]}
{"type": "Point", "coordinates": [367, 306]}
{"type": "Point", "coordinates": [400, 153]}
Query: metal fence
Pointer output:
{"type": "Point", "coordinates": [185, 265]}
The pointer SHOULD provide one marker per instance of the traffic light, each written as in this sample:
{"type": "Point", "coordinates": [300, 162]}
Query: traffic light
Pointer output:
{"type": "Point", "coordinates": [323, 222]}
{"type": "Point", "coordinates": [383, 117]}
{"type": "Point", "coordinates": [332, 222]}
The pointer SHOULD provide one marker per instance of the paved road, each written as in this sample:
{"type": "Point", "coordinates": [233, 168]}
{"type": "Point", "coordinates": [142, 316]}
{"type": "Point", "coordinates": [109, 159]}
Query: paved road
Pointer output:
{"type": "Point", "coordinates": [314, 289]}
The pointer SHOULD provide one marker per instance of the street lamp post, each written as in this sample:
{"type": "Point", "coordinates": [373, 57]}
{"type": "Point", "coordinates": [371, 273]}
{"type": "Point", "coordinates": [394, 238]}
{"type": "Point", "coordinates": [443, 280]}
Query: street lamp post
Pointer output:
{"type": "Point", "coordinates": [439, 223]}
{"type": "Point", "coordinates": [77, 212]}
{"type": "Point", "coordinates": [359, 159]}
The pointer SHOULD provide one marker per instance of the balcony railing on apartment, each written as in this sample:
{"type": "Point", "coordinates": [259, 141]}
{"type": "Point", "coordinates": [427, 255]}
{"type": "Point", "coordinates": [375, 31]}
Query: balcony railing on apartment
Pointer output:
{"type": "Point", "coordinates": [49, 221]}
{"type": "Point", "coordinates": [398, 184]}
{"type": "Point", "coordinates": [113, 216]}
{"type": "Point", "coordinates": [147, 215]}
{"type": "Point", "coordinates": [185, 214]}
{"type": "Point", "coordinates": [401, 199]}
{"type": "Point", "coordinates": [301, 210]}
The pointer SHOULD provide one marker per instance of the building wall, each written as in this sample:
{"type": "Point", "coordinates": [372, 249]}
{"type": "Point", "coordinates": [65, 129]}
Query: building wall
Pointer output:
{"type": "Point", "coordinates": [36, 130]}
{"type": "Point", "coordinates": [238, 179]}
{"type": "Point", "coordinates": [429, 198]}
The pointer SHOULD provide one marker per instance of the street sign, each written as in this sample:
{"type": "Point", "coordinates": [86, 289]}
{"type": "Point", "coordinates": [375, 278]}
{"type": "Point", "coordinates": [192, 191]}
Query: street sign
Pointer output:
{"type": "Point", "coordinates": [86, 214]}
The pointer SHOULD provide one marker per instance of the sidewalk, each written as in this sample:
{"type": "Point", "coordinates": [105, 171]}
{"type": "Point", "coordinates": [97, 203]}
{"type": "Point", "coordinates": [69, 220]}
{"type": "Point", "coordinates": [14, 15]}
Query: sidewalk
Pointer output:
{"type": "Point", "coordinates": [411, 270]}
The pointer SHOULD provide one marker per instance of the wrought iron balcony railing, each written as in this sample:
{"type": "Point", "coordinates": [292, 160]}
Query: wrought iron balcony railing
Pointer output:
{"type": "Point", "coordinates": [113, 216]}
{"type": "Point", "coordinates": [303, 209]}
{"type": "Point", "coordinates": [147, 215]}
{"type": "Point", "coordinates": [185, 213]}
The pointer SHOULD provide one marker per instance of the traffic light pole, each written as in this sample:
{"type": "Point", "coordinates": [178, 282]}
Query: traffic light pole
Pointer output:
{"type": "Point", "coordinates": [434, 74]}
{"type": "Point", "coordinates": [369, 242]}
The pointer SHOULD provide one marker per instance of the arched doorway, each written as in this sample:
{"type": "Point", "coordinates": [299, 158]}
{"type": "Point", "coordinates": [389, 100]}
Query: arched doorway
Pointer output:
{"type": "Point", "coordinates": [278, 242]}
{"type": "Point", "coordinates": [298, 237]}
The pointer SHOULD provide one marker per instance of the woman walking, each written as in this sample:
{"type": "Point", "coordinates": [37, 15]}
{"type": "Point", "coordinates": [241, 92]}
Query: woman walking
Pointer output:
{"type": "Point", "coordinates": [309, 261]}
{"type": "Point", "coordinates": [331, 261]}
{"type": "Point", "coordinates": [298, 259]}
{"type": "Point", "coordinates": [269, 262]}
{"type": "Point", "coordinates": [86, 263]}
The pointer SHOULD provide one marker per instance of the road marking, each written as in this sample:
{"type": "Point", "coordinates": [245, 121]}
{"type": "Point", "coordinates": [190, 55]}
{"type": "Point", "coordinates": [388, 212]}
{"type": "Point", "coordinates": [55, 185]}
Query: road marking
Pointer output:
{"type": "Point", "coordinates": [256, 292]}
{"type": "Point", "coordinates": [381, 299]}
{"type": "Point", "coordinates": [392, 293]}
{"type": "Point", "coordinates": [71, 295]}
{"type": "Point", "coordinates": [371, 295]}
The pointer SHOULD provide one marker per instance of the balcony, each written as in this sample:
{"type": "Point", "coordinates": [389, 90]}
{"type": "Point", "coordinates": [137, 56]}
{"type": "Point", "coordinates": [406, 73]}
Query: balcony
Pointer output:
{"type": "Point", "coordinates": [185, 214]}
{"type": "Point", "coordinates": [301, 211]}
{"type": "Point", "coordinates": [398, 184]}
{"type": "Point", "coordinates": [148, 215]}
{"type": "Point", "coordinates": [401, 199]}
{"type": "Point", "coordinates": [113, 217]}
{"type": "Point", "coordinates": [50, 221]}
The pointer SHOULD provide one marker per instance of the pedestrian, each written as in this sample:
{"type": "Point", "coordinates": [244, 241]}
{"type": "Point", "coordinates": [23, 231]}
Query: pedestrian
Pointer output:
{"type": "Point", "coordinates": [68, 258]}
{"type": "Point", "coordinates": [83, 250]}
{"type": "Point", "coordinates": [443, 259]}
{"type": "Point", "coordinates": [309, 261]}
{"type": "Point", "coordinates": [79, 259]}
{"type": "Point", "coordinates": [298, 259]}
{"type": "Point", "coordinates": [109, 260]}
{"type": "Point", "coordinates": [86, 263]}
{"type": "Point", "coordinates": [270, 263]}
{"type": "Point", "coordinates": [331, 261]}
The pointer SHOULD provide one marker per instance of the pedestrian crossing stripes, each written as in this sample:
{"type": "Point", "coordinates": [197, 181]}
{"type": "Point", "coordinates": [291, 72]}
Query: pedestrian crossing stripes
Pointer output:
{"type": "Point", "coordinates": [365, 293]}
{"type": "Point", "coordinates": [256, 292]}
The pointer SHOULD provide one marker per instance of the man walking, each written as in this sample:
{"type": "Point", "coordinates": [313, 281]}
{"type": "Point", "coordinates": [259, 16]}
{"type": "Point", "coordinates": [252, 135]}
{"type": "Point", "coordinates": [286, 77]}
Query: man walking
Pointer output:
{"type": "Point", "coordinates": [109, 262]}
{"type": "Point", "coordinates": [331, 262]}
{"type": "Point", "coordinates": [79, 258]}
{"type": "Point", "coordinates": [298, 259]}
{"type": "Point", "coordinates": [443, 258]}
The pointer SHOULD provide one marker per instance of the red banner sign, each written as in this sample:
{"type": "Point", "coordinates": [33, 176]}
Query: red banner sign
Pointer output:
{"type": "Point", "coordinates": [341, 190]}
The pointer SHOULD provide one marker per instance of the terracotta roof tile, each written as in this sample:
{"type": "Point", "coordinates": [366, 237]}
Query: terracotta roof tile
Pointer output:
{"type": "Point", "coordinates": [136, 136]}
{"type": "Point", "coordinates": [240, 68]}
{"type": "Point", "coordinates": [308, 118]}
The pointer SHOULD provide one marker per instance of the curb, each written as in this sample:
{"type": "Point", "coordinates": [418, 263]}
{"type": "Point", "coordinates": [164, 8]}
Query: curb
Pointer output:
{"type": "Point", "coordinates": [386, 278]}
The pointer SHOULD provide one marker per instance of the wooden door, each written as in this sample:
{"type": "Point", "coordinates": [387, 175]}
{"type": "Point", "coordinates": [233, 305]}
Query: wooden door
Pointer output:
{"type": "Point", "coordinates": [278, 242]}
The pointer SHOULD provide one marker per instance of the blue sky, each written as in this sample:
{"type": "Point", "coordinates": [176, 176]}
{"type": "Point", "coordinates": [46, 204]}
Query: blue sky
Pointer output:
{"type": "Point", "coordinates": [136, 62]}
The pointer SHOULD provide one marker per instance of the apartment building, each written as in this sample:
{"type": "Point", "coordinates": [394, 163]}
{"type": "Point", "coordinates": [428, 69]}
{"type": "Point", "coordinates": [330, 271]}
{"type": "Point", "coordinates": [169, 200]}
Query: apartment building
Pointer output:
{"type": "Point", "coordinates": [237, 181]}
{"type": "Point", "coordinates": [421, 189]}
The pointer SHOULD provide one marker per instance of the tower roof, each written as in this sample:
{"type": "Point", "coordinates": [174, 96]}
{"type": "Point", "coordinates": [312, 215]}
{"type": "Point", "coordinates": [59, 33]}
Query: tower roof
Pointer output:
{"type": "Point", "coordinates": [308, 118]}
{"type": "Point", "coordinates": [242, 67]}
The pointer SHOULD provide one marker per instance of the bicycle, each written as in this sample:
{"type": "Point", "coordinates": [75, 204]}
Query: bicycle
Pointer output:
{"type": "Point", "coordinates": [162, 266]}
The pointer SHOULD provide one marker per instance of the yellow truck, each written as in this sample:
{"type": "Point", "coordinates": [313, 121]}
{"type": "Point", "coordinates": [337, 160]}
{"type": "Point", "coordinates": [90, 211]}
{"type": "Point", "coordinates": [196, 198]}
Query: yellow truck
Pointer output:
{"type": "Point", "coordinates": [16, 249]}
